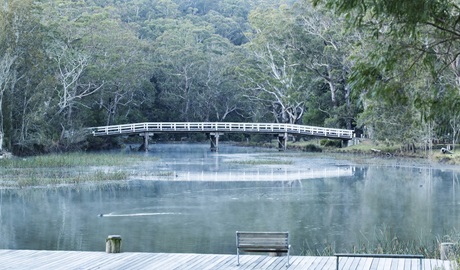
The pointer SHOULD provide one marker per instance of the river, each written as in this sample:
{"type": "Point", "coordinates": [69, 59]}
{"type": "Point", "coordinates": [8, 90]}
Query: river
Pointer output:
{"type": "Point", "coordinates": [191, 200]}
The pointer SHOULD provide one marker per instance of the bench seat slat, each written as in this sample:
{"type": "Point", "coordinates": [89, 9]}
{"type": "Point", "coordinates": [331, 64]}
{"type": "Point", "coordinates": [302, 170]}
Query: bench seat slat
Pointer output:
{"type": "Point", "coordinates": [263, 234]}
{"type": "Point", "coordinates": [264, 249]}
{"type": "Point", "coordinates": [263, 246]}
{"type": "Point", "coordinates": [268, 243]}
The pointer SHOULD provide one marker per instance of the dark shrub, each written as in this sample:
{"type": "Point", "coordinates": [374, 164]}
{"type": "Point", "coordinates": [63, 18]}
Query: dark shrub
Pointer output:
{"type": "Point", "coordinates": [312, 148]}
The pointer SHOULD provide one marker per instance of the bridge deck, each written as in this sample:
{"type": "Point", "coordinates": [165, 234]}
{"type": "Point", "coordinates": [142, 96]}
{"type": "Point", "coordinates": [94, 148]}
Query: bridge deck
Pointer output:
{"type": "Point", "coordinates": [39, 259]}
{"type": "Point", "coordinates": [222, 127]}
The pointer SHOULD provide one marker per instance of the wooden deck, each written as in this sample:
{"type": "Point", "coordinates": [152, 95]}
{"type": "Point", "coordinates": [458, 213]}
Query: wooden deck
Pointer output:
{"type": "Point", "coordinates": [40, 259]}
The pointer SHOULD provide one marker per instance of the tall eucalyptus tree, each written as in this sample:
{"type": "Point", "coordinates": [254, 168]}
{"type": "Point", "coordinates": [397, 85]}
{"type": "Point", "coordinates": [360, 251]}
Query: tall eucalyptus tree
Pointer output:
{"type": "Point", "coordinates": [273, 76]}
{"type": "Point", "coordinates": [25, 98]}
{"type": "Point", "coordinates": [414, 56]}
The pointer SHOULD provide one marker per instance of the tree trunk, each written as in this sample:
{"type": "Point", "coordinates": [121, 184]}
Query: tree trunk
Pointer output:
{"type": "Point", "coordinates": [1, 122]}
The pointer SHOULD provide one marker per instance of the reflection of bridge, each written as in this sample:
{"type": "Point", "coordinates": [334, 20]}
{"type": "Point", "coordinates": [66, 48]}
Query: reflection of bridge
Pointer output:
{"type": "Point", "coordinates": [264, 174]}
{"type": "Point", "coordinates": [215, 129]}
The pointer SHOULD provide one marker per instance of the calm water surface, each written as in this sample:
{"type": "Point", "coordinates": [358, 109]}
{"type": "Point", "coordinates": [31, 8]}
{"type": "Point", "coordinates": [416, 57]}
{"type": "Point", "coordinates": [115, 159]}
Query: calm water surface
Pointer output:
{"type": "Point", "coordinates": [188, 199]}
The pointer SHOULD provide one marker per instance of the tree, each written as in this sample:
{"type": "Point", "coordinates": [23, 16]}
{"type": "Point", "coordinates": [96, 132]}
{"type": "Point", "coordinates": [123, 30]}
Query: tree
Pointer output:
{"type": "Point", "coordinates": [102, 64]}
{"type": "Point", "coordinates": [411, 53]}
{"type": "Point", "coordinates": [180, 58]}
{"type": "Point", "coordinates": [122, 62]}
{"type": "Point", "coordinates": [72, 65]}
{"type": "Point", "coordinates": [274, 76]}
{"type": "Point", "coordinates": [327, 56]}
{"type": "Point", "coordinates": [6, 76]}
{"type": "Point", "coordinates": [24, 125]}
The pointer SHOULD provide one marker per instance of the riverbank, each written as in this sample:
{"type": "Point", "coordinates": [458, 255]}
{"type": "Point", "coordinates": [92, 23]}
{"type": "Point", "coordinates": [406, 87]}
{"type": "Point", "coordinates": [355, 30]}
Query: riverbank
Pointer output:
{"type": "Point", "coordinates": [366, 148]}
{"type": "Point", "coordinates": [437, 155]}
{"type": "Point", "coordinates": [81, 167]}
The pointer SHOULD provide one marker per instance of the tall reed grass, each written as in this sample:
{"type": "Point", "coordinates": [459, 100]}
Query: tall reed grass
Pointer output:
{"type": "Point", "coordinates": [68, 168]}
{"type": "Point", "coordinates": [69, 160]}
{"type": "Point", "coordinates": [385, 241]}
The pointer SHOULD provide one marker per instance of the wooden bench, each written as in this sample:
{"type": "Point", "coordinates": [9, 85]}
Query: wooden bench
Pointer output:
{"type": "Point", "coordinates": [392, 256]}
{"type": "Point", "coordinates": [273, 242]}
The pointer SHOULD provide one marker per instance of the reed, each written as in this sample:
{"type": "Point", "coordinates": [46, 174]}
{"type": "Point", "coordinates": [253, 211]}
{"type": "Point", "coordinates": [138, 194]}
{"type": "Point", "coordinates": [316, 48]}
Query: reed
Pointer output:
{"type": "Point", "coordinates": [383, 241]}
{"type": "Point", "coordinates": [69, 160]}
{"type": "Point", "coordinates": [62, 169]}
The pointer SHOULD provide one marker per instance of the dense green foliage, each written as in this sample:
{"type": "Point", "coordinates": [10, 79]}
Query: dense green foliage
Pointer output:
{"type": "Point", "coordinates": [69, 64]}
{"type": "Point", "coordinates": [409, 69]}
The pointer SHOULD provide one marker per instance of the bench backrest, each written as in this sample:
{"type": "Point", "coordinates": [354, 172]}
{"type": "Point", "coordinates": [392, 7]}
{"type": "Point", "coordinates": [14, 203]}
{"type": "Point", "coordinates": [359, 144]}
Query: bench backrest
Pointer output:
{"type": "Point", "coordinates": [276, 240]}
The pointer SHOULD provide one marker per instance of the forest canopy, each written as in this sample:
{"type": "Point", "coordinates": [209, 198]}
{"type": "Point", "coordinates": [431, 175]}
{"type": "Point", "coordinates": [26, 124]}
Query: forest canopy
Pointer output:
{"type": "Point", "coordinates": [387, 68]}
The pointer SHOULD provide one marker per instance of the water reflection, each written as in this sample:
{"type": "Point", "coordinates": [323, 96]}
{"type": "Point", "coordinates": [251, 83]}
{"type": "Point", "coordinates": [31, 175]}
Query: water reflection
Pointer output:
{"type": "Point", "coordinates": [201, 208]}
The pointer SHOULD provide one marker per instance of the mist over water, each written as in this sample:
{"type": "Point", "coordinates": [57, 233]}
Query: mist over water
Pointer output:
{"type": "Point", "coordinates": [191, 200]}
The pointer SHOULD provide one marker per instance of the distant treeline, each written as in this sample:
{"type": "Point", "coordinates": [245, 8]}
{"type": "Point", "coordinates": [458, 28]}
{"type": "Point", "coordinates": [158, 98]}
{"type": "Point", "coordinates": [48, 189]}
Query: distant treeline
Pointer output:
{"type": "Point", "coordinates": [69, 64]}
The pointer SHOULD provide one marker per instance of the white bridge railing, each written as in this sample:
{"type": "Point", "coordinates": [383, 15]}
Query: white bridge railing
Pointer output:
{"type": "Point", "coordinates": [183, 127]}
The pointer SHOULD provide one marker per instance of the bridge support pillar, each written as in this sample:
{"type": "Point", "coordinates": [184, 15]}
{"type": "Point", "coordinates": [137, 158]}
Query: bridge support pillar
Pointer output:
{"type": "Point", "coordinates": [214, 138]}
{"type": "Point", "coordinates": [145, 144]}
{"type": "Point", "coordinates": [282, 141]}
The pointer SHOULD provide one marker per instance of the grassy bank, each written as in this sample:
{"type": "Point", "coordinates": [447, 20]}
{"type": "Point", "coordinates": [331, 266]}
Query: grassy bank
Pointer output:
{"type": "Point", "coordinates": [68, 168]}
{"type": "Point", "coordinates": [368, 148]}
{"type": "Point", "coordinates": [435, 155]}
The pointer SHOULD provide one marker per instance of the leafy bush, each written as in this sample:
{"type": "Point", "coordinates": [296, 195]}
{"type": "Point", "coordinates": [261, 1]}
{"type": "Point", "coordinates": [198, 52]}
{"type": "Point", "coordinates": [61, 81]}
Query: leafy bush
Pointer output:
{"type": "Point", "coordinates": [312, 148]}
{"type": "Point", "coordinates": [331, 143]}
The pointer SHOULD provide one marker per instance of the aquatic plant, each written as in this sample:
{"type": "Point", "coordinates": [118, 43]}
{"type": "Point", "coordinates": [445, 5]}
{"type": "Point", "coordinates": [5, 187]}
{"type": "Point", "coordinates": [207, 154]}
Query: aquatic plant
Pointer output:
{"type": "Point", "coordinates": [384, 241]}
{"type": "Point", "coordinates": [70, 160]}
{"type": "Point", "coordinates": [69, 168]}
{"type": "Point", "coordinates": [55, 179]}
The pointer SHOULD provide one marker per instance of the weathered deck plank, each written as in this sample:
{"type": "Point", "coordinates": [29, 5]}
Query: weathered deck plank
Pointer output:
{"type": "Point", "coordinates": [375, 263]}
{"type": "Point", "coordinates": [305, 263]}
{"type": "Point", "coordinates": [366, 263]}
{"type": "Point", "coordinates": [33, 259]}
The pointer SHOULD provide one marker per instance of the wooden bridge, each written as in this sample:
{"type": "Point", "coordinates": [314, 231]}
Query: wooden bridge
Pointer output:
{"type": "Point", "coordinates": [215, 129]}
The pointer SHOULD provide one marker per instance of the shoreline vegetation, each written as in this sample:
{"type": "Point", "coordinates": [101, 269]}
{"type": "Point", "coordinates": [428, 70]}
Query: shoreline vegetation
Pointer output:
{"type": "Point", "coordinates": [84, 167]}
{"type": "Point", "coordinates": [384, 241]}
{"type": "Point", "coordinates": [59, 169]}
{"type": "Point", "coordinates": [366, 148]}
